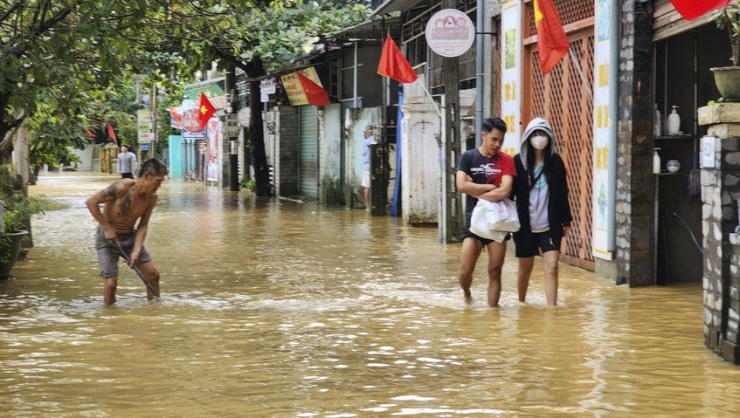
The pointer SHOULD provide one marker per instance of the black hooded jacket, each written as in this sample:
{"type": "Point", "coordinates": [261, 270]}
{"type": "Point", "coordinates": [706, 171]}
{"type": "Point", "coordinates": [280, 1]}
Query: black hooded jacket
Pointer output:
{"type": "Point", "coordinates": [558, 208]}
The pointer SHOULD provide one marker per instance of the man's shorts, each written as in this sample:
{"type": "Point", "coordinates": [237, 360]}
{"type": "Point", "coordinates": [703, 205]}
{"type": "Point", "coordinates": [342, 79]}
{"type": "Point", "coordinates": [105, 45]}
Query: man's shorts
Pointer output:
{"type": "Point", "coordinates": [365, 178]}
{"type": "Point", "coordinates": [108, 253]}
{"type": "Point", "coordinates": [538, 241]}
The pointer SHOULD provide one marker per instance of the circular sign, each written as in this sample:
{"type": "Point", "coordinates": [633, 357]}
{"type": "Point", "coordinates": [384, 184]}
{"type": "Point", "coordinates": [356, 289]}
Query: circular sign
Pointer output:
{"type": "Point", "coordinates": [450, 33]}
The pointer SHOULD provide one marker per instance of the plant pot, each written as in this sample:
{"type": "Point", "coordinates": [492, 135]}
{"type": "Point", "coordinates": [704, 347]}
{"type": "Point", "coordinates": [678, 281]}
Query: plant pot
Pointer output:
{"type": "Point", "coordinates": [10, 247]}
{"type": "Point", "coordinates": [727, 80]}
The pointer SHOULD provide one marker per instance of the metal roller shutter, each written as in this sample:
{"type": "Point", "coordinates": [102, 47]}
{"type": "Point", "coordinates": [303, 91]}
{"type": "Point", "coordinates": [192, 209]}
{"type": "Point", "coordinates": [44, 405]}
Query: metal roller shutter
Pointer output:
{"type": "Point", "coordinates": [309, 152]}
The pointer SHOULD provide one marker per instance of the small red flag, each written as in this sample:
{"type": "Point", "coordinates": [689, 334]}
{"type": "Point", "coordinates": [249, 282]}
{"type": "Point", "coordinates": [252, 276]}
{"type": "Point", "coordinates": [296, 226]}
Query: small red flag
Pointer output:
{"type": "Point", "coordinates": [315, 94]}
{"type": "Point", "coordinates": [394, 65]}
{"type": "Point", "coordinates": [112, 133]}
{"type": "Point", "coordinates": [205, 111]}
{"type": "Point", "coordinates": [694, 9]}
{"type": "Point", "coordinates": [551, 39]}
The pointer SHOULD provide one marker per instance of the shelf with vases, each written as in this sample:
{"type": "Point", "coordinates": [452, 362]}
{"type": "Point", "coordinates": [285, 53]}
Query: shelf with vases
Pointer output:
{"type": "Point", "coordinates": [677, 136]}
{"type": "Point", "coordinates": [668, 173]}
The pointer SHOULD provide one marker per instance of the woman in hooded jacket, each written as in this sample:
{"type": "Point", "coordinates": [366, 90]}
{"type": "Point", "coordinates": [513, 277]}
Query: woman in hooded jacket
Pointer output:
{"type": "Point", "coordinates": [541, 194]}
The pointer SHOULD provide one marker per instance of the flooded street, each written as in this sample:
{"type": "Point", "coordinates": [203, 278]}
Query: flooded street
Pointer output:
{"type": "Point", "coordinates": [274, 308]}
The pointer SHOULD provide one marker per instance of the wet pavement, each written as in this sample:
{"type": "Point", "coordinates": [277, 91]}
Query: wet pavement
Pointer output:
{"type": "Point", "coordinates": [275, 308]}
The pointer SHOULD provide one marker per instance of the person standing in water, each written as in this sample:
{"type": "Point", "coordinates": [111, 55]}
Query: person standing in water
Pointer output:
{"type": "Point", "coordinates": [126, 163]}
{"type": "Point", "coordinates": [124, 203]}
{"type": "Point", "coordinates": [484, 173]}
{"type": "Point", "coordinates": [369, 139]}
{"type": "Point", "coordinates": [541, 192]}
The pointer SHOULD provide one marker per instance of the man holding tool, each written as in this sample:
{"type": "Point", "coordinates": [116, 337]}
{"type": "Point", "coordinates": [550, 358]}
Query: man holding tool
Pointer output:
{"type": "Point", "coordinates": [125, 202]}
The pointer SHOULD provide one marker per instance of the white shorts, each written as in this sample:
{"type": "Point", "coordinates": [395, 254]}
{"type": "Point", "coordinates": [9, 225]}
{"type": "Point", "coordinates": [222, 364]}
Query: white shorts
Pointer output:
{"type": "Point", "coordinates": [365, 178]}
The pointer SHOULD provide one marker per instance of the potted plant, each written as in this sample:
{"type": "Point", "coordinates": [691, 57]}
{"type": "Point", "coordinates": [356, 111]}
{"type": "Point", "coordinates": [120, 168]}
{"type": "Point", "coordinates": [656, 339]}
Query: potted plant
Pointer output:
{"type": "Point", "coordinates": [727, 78]}
{"type": "Point", "coordinates": [16, 209]}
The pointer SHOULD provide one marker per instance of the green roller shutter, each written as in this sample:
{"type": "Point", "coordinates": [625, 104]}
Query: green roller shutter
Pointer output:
{"type": "Point", "coordinates": [309, 152]}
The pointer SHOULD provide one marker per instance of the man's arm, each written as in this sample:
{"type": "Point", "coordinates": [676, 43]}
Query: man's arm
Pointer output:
{"type": "Point", "coordinates": [466, 185]}
{"type": "Point", "coordinates": [104, 196]}
{"type": "Point", "coordinates": [499, 193]}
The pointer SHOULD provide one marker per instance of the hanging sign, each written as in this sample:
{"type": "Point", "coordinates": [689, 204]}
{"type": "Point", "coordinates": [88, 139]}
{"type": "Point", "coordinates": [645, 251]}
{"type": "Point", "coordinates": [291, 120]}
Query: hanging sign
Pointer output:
{"type": "Point", "coordinates": [267, 87]}
{"type": "Point", "coordinates": [293, 88]}
{"type": "Point", "coordinates": [450, 33]}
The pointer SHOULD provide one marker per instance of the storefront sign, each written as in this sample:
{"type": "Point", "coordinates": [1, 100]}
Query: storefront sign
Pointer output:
{"type": "Point", "coordinates": [231, 128]}
{"type": "Point", "coordinates": [144, 125]}
{"type": "Point", "coordinates": [450, 33]}
{"type": "Point", "coordinates": [293, 87]}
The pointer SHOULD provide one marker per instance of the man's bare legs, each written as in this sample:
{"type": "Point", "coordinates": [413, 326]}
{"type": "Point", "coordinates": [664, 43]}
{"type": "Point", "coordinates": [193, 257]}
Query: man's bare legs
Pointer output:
{"type": "Point", "coordinates": [151, 272]}
{"type": "Point", "coordinates": [550, 260]}
{"type": "Point", "coordinates": [496, 254]}
{"type": "Point", "coordinates": [525, 271]}
{"type": "Point", "coordinates": [109, 290]}
{"type": "Point", "coordinates": [471, 249]}
{"type": "Point", "coordinates": [366, 196]}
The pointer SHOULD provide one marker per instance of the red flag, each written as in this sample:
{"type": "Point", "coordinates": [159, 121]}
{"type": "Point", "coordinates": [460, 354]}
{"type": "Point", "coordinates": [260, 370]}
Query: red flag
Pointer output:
{"type": "Point", "coordinates": [394, 65]}
{"type": "Point", "coordinates": [551, 39]}
{"type": "Point", "coordinates": [205, 111]}
{"type": "Point", "coordinates": [112, 133]}
{"type": "Point", "coordinates": [315, 94]}
{"type": "Point", "coordinates": [694, 9]}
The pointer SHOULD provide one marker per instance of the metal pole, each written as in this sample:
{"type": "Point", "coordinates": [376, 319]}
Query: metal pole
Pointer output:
{"type": "Point", "coordinates": [479, 25]}
{"type": "Point", "coordinates": [355, 77]}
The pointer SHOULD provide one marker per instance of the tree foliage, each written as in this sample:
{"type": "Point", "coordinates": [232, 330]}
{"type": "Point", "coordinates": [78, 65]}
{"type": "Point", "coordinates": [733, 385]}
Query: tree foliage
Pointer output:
{"type": "Point", "coordinates": [65, 64]}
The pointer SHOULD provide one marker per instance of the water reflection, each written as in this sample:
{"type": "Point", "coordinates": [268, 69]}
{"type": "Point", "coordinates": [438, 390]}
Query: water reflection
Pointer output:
{"type": "Point", "coordinates": [279, 308]}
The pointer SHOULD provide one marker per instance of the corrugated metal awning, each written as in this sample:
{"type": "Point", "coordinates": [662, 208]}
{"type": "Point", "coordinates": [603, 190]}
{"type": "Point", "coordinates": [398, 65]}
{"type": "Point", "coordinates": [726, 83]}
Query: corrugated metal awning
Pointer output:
{"type": "Point", "coordinates": [391, 6]}
{"type": "Point", "coordinates": [372, 30]}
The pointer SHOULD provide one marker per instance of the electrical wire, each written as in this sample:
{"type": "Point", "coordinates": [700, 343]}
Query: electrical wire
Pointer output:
{"type": "Point", "coordinates": [688, 228]}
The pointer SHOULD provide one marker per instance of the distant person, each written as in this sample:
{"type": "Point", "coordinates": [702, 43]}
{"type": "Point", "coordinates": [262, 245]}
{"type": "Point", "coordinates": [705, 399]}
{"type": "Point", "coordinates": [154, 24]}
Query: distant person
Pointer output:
{"type": "Point", "coordinates": [124, 203]}
{"type": "Point", "coordinates": [484, 173]}
{"type": "Point", "coordinates": [126, 163]}
{"type": "Point", "coordinates": [541, 192]}
{"type": "Point", "coordinates": [369, 140]}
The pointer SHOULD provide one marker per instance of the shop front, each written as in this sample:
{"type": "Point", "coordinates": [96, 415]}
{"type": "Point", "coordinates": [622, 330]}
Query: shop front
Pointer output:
{"type": "Point", "coordinates": [683, 54]}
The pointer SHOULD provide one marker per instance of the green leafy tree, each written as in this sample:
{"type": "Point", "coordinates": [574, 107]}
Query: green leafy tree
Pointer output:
{"type": "Point", "coordinates": [259, 39]}
{"type": "Point", "coordinates": [64, 63]}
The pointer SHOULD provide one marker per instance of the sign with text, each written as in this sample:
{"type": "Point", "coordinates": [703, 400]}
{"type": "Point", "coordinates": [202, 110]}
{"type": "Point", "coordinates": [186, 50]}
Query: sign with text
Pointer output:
{"type": "Point", "coordinates": [450, 33]}
{"type": "Point", "coordinates": [144, 125]}
{"type": "Point", "coordinates": [293, 87]}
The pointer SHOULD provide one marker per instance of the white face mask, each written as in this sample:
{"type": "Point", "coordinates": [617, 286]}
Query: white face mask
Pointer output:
{"type": "Point", "coordinates": [539, 141]}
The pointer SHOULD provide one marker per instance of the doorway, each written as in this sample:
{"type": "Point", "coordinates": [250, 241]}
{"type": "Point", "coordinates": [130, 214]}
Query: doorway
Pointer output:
{"type": "Point", "coordinates": [683, 79]}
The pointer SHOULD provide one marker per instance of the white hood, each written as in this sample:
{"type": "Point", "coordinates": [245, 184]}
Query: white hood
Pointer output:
{"type": "Point", "coordinates": [535, 124]}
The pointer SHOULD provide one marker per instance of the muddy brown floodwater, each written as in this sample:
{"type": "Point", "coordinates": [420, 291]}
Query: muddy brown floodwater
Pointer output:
{"type": "Point", "coordinates": [275, 308]}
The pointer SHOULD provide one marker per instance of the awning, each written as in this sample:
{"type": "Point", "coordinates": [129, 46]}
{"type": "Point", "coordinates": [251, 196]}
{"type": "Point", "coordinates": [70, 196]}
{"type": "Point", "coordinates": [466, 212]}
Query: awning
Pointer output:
{"type": "Point", "coordinates": [372, 30]}
{"type": "Point", "coordinates": [215, 95]}
{"type": "Point", "coordinates": [391, 6]}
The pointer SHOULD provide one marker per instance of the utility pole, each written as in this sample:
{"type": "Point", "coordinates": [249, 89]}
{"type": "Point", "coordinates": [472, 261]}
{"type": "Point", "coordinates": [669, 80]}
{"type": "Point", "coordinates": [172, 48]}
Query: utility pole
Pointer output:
{"type": "Point", "coordinates": [153, 137]}
{"type": "Point", "coordinates": [451, 83]}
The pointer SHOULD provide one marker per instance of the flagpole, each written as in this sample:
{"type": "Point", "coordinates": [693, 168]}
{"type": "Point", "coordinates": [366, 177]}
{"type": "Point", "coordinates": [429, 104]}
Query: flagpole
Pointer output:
{"type": "Point", "coordinates": [577, 66]}
{"type": "Point", "coordinates": [430, 97]}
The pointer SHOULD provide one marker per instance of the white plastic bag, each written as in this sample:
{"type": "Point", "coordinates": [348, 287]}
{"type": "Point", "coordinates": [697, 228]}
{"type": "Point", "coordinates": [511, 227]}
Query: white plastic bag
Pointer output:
{"type": "Point", "coordinates": [502, 215]}
{"type": "Point", "coordinates": [479, 223]}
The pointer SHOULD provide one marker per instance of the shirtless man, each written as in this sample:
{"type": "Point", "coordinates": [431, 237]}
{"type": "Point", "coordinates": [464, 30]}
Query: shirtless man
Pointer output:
{"type": "Point", "coordinates": [125, 202]}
